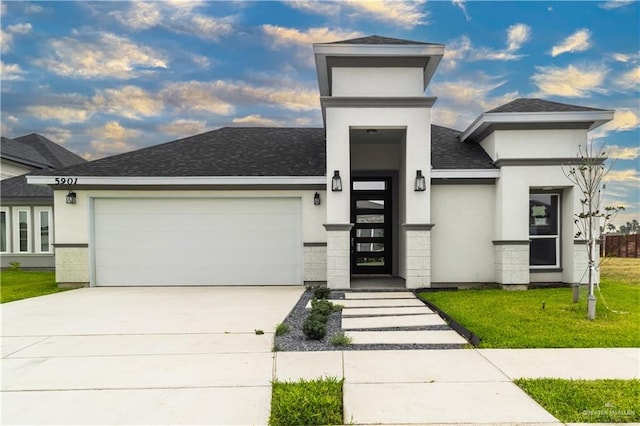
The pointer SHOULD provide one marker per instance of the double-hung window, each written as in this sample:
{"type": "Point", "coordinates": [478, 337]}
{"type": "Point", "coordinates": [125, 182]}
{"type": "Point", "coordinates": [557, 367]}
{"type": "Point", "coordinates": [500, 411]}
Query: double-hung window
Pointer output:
{"type": "Point", "coordinates": [5, 230]}
{"type": "Point", "coordinates": [544, 230]}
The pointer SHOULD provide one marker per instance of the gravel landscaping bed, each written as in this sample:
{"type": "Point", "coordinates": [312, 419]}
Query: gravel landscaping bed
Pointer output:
{"type": "Point", "coordinates": [296, 341]}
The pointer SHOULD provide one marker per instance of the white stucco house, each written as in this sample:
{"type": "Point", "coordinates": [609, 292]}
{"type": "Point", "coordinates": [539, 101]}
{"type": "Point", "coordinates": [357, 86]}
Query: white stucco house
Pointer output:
{"type": "Point", "coordinates": [378, 191]}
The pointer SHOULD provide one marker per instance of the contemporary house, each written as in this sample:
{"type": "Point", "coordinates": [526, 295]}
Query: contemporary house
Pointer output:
{"type": "Point", "coordinates": [378, 191]}
{"type": "Point", "coordinates": [26, 211]}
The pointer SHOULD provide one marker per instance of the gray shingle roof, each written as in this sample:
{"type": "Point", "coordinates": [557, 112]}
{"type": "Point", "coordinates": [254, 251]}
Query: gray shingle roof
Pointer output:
{"type": "Point", "coordinates": [242, 151]}
{"type": "Point", "coordinates": [38, 151]}
{"type": "Point", "coordinates": [229, 151]}
{"type": "Point", "coordinates": [539, 105]}
{"type": "Point", "coordinates": [17, 188]}
{"type": "Point", "coordinates": [376, 39]}
{"type": "Point", "coordinates": [448, 152]}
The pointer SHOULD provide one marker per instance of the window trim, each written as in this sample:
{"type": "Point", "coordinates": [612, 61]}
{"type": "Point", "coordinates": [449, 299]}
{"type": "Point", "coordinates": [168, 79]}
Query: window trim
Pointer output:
{"type": "Point", "coordinates": [16, 229]}
{"type": "Point", "coordinates": [557, 236]}
{"type": "Point", "coordinates": [7, 213]}
{"type": "Point", "coordinates": [37, 229]}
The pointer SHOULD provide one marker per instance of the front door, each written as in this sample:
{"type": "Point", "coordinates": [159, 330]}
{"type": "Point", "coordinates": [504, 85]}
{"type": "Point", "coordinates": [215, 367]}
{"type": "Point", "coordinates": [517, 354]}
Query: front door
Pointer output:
{"type": "Point", "coordinates": [371, 232]}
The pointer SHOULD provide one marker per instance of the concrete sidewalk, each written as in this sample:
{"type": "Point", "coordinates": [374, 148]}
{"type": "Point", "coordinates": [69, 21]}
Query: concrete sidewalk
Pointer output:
{"type": "Point", "coordinates": [451, 386]}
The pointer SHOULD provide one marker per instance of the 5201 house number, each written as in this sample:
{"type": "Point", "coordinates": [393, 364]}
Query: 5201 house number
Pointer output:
{"type": "Point", "coordinates": [66, 181]}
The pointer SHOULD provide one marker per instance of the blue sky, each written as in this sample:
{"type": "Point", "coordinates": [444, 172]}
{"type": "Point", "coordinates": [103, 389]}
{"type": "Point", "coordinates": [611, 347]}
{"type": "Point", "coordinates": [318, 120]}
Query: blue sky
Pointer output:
{"type": "Point", "coordinates": [107, 77]}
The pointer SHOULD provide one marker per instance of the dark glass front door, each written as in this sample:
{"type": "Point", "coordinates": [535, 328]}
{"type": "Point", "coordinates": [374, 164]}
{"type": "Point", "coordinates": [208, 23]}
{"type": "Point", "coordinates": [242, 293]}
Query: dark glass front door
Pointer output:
{"type": "Point", "coordinates": [371, 232]}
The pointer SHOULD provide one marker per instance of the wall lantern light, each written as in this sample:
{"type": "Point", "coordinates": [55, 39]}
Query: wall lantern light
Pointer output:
{"type": "Point", "coordinates": [316, 199]}
{"type": "Point", "coordinates": [71, 197]}
{"type": "Point", "coordinates": [336, 181]}
{"type": "Point", "coordinates": [421, 183]}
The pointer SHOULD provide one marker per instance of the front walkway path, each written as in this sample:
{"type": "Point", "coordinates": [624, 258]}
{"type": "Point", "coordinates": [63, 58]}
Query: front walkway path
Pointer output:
{"type": "Point", "coordinates": [451, 386]}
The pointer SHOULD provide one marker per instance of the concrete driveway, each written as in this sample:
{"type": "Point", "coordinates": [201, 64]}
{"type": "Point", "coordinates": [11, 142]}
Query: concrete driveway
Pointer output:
{"type": "Point", "coordinates": [142, 355]}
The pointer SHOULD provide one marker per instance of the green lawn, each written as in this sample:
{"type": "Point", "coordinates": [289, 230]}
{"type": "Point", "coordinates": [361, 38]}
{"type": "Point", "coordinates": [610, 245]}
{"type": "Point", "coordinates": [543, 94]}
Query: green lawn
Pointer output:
{"type": "Point", "coordinates": [16, 285]}
{"type": "Point", "coordinates": [586, 401]}
{"type": "Point", "coordinates": [547, 318]}
{"type": "Point", "coordinates": [313, 402]}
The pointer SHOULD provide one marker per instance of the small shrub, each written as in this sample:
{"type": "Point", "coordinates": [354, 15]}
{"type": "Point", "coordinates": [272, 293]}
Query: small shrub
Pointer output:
{"type": "Point", "coordinates": [282, 329]}
{"type": "Point", "coordinates": [13, 266]}
{"type": "Point", "coordinates": [341, 339]}
{"type": "Point", "coordinates": [321, 292]}
{"type": "Point", "coordinates": [276, 347]}
{"type": "Point", "coordinates": [337, 308]}
{"type": "Point", "coordinates": [314, 326]}
{"type": "Point", "coordinates": [322, 307]}
{"type": "Point", "coordinates": [259, 332]}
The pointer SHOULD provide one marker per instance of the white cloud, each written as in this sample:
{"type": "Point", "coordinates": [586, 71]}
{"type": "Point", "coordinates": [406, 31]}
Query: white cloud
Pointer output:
{"type": "Point", "coordinates": [200, 60]}
{"type": "Point", "coordinates": [461, 5]}
{"type": "Point", "coordinates": [57, 134]}
{"type": "Point", "coordinates": [183, 127]}
{"type": "Point", "coordinates": [462, 48]}
{"type": "Point", "coordinates": [576, 42]}
{"type": "Point", "coordinates": [293, 36]}
{"type": "Point", "coordinates": [517, 35]}
{"type": "Point", "coordinates": [196, 95]}
{"type": "Point", "coordinates": [623, 57]}
{"type": "Point", "coordinates": [64, 115]}
{"type": "Point", "coordinates": [127, 101]}
{"type": "Point", "coordinates": [20, 28]}
{"type": "Point", "coordinates": [571, 81]}
{"type": "Point", "coordinates": [406, 14]}
{"type": "Point", "coordinates": [112, 138]}
{"type": "Point", "coordinates": [630, 79]}
{"type": "Point", "coordinates": [33, 8]}
{"type": "Point", "coordinates": [623, 176]}
{"type": "Point", "coordinates": [5, 41]}
{"type": "Point", "coordinates": [10, 71]}
{"type": "Point", "coordinates": [102, 55]}
{"type": "Point", "coordinates": [614, 4]}
{"type": "Point", "coordinates": [256, 120]}
{"type": "Point", "coordinates": [623, 120]}
{"type": "Point", "coordinates": [177, 17]}
{"type": "Point", "coordinates": [618, 152]}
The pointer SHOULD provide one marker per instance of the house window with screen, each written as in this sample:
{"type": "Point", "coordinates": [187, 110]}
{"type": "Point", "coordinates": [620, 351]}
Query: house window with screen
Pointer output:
{"type": "Point", "coordinates": [544, 230]}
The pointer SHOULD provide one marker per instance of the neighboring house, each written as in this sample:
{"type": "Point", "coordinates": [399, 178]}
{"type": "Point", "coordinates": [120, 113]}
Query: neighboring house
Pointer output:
{"type": "Point", "coordinates": [379, 190]}
{"type": "Point", "coordinates": [26, 211]}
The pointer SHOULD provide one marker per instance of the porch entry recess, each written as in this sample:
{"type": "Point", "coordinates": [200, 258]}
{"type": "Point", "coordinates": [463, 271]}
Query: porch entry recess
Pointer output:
{"type": "Point", "coordinates": [371, 233]}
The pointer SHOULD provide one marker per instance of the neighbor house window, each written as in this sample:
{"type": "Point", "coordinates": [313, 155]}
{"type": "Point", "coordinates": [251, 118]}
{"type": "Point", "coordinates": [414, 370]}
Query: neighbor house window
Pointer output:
{"type": "Point", "coordinates": [544, 230]}
{"type": "Point", "coordinates": [43, 228]}
{"type": "Point", "coordinates": [21, 225]}
{"type": "Point", "coordinates": [4, 230]}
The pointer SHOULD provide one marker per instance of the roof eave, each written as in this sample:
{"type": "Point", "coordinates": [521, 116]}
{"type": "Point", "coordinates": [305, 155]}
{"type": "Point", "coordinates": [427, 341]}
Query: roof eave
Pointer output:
{"type": "Point", "coordinates": [55, 181]}
{"type": "Point", "coordinates": [486, 121]}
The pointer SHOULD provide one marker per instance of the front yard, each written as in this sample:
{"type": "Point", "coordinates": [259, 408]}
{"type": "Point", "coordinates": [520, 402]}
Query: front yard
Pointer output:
{"type": "Point", "coordinates": [547, 318]}
{"type": "Point", "coordinates": [17, 285]}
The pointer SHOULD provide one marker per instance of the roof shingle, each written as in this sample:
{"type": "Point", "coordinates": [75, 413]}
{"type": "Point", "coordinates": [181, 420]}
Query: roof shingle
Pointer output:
{"type": "Point", "coordinates": [539, 105]}
{"type": "Point", "coordinates": [376, 39]}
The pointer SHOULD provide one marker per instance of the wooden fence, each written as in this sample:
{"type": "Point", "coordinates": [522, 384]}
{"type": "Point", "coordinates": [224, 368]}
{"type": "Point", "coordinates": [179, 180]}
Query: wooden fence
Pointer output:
{"type": "Point", "coordinates": [619, 245]}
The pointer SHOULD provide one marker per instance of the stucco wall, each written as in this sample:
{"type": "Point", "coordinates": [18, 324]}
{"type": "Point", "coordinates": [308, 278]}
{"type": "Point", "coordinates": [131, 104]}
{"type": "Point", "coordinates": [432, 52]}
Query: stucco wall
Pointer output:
{"type": "Point", "coordinates": [377, 82]}
{"type": "Point", "coordinates": [522, 144]}
{"type": "Point", "coordinates": [376, 156]}
{"type": "Point", "coordinates": [9, 169]}
{"type": "Point", "coordinates": [461, 247]}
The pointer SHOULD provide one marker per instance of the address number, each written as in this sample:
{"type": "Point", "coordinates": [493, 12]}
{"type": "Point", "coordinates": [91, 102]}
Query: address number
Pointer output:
{"type": "Point", "coordinates": [66, 181]}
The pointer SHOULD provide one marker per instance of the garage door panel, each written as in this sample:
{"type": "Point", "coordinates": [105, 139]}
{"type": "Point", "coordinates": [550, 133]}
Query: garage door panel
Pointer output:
{"type": "Point", "coordinates": [198, 241]}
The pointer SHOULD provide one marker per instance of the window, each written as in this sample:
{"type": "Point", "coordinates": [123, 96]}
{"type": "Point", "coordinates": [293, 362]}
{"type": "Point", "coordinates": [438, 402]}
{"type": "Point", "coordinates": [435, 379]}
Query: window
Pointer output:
{"type": "Point", "coordinates": [544, 231]}
{"type": "Point", "coordinates": [4, 230]}
{"type": "Point", "coordinates": [43, 228]}
{"type": "Point", "coordinates": [21, 225]}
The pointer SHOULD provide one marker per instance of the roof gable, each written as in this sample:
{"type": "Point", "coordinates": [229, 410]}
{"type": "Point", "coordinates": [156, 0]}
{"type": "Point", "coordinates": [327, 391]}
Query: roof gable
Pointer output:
{"type": "Point", "coordinates": [539, 105]}
{"type": "Point", "coordinates": [376, 39]}
{"type": "Point", "coordinates": [38, 151]}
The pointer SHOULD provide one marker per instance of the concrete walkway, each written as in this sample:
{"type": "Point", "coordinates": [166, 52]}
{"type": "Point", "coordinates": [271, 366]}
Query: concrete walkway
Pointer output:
{"type": "Point", "coordinates": [394, 318]}
{"type": "Point", "coordinates": [451, 386]}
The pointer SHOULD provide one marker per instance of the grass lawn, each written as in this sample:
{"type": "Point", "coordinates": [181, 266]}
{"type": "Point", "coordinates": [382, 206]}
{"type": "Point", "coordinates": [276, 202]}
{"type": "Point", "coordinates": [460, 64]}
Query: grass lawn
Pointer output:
{"type": "Point", "coordinates": [16, 285]}
{"type": "Point", "coordinates": [586, 401]}
{"type": "Point", "coordinates": [313, 402]}
{"type": "Point", "coordinates": [547, 318]}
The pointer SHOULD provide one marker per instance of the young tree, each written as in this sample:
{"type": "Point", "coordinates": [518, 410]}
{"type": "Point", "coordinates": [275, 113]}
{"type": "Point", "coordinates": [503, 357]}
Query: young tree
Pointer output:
{"type": "Point", "coordinates": [587, 175]}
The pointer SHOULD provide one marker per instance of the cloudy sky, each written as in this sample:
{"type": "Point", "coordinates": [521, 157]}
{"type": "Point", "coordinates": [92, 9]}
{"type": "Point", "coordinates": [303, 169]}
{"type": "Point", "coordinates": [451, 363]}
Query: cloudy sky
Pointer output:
{"type": "Point", "coordinates": [106, 77]}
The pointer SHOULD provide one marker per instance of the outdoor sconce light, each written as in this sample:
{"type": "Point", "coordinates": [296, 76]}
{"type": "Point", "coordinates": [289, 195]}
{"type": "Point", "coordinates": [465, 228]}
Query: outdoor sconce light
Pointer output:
{"type": "Point", "coordinates": [336, 181]}
{"type": "Point", "coordinates": [71, 197]}
{"type": "Point", "coordinates": [421, 184]}
{"type": "Point", "coordinates": [316, 199]}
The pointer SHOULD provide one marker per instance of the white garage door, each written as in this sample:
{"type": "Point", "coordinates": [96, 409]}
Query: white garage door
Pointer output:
{"type": "Point", "coordinates": [230, 241]}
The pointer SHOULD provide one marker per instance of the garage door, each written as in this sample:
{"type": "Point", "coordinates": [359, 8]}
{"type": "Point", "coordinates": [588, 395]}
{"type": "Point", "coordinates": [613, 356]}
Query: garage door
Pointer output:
{"type": "Point", "coordinates": [232, 241]}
